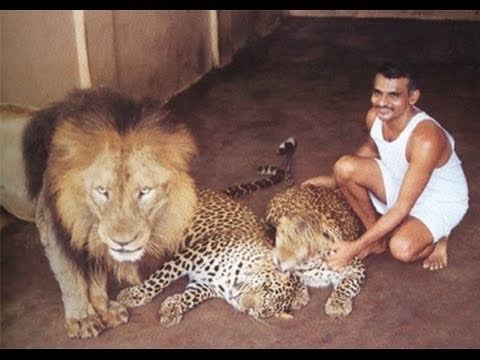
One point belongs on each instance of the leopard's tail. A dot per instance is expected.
(287, 148)
(275, 174)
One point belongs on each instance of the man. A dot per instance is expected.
(407, 171)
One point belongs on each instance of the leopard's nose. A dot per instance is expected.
(282, 267)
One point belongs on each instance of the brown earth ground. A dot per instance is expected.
(310, 79)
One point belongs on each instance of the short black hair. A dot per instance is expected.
(395, 70)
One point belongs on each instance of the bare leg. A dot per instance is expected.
(438, 258)
(356, 176)
(413, 241)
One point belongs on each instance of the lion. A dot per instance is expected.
(107, 179)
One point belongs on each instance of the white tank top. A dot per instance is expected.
(447, 183)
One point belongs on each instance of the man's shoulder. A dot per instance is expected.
(428, 133)
(427, 126)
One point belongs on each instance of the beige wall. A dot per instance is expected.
(38, 56)
(100, 43)
(413, 14)
(156, 52)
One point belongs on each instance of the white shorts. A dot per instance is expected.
(440, 218)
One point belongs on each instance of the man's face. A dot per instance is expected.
(391, 98)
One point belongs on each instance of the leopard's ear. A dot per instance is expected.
(271, 232)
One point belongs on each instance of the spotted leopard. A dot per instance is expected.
(226, 255)
(307, 222)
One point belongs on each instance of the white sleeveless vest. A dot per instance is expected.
(447, 183)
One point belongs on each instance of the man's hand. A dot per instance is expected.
(323, 180)
(341, 255)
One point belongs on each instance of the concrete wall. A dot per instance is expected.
(236, 28)
(154, 53)
(473, 15)
(157, 53)
(38, 56)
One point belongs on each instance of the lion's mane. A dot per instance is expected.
(102, 127)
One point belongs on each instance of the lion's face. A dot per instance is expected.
(121, 195)
(126, 193)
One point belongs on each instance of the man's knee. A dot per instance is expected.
(402, 248)
(344, 169)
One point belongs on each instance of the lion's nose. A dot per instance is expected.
(123, 240)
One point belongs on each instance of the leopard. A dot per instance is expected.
(307, 222)
(302, 224)
(226, 254)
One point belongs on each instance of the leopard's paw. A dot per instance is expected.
(133, 296)
(301, 298)
(115, 315)
(171, 311)
(88, 327)
(336, 307)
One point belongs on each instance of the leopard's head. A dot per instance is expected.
(300, 239)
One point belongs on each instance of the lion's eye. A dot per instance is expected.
(102, 191)
(100, 194)
(144, 191)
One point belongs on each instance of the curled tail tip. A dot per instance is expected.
(288, 146)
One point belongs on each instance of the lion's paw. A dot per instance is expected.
(90, 326)
(132, 297)
(336, 307)
(301, 298)
(116, 314)
(171, 311)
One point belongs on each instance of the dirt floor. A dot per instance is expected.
(310, 79)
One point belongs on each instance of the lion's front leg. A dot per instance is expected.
(81, 320)
(111, 312)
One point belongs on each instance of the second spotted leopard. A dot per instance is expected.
(308, 221)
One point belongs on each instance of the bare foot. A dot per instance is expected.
(438, 258)
(376, 248)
